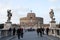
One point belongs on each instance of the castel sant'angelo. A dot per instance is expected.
(31, 21)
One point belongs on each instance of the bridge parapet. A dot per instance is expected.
(55, 32)
(4, 33)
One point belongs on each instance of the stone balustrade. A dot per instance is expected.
(4, 33)
(55, 32)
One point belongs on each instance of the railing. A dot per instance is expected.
(55, 32)
(58, 32)
(4, 33)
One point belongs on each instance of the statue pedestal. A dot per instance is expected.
(5, 30)
(52, 28)
(7, 25)
(53, 24)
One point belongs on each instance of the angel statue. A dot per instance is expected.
(51, 13)
(9, 15)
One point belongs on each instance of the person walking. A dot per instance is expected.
(21, 29)
(37, 31)
(40, 32)
(18, 33)
(14, 30)
(47, 30)
(10, 30)
(43, 30)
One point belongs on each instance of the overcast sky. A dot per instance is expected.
(20, 8)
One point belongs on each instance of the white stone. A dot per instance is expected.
(7, 25)
(52, 25)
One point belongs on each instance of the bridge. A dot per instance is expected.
(29, 36)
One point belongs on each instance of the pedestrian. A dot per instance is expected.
(43, 30)
(10, 30)
(18, 33)
(40, 32)
(47, 30)
(21, 29)
(37, 31)
(14, 30)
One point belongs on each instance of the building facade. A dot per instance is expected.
(31, 21)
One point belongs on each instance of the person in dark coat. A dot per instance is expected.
(47, 30)
(21, 29)
(10, 30)
(18, 33)
(38, 31)
(14, 30)
(43, 30)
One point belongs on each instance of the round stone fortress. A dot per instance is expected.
(31, 21)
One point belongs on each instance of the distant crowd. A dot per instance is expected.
(18, 32)
(42, 31)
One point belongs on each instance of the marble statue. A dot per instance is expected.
(9, 15)
(51, 13)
